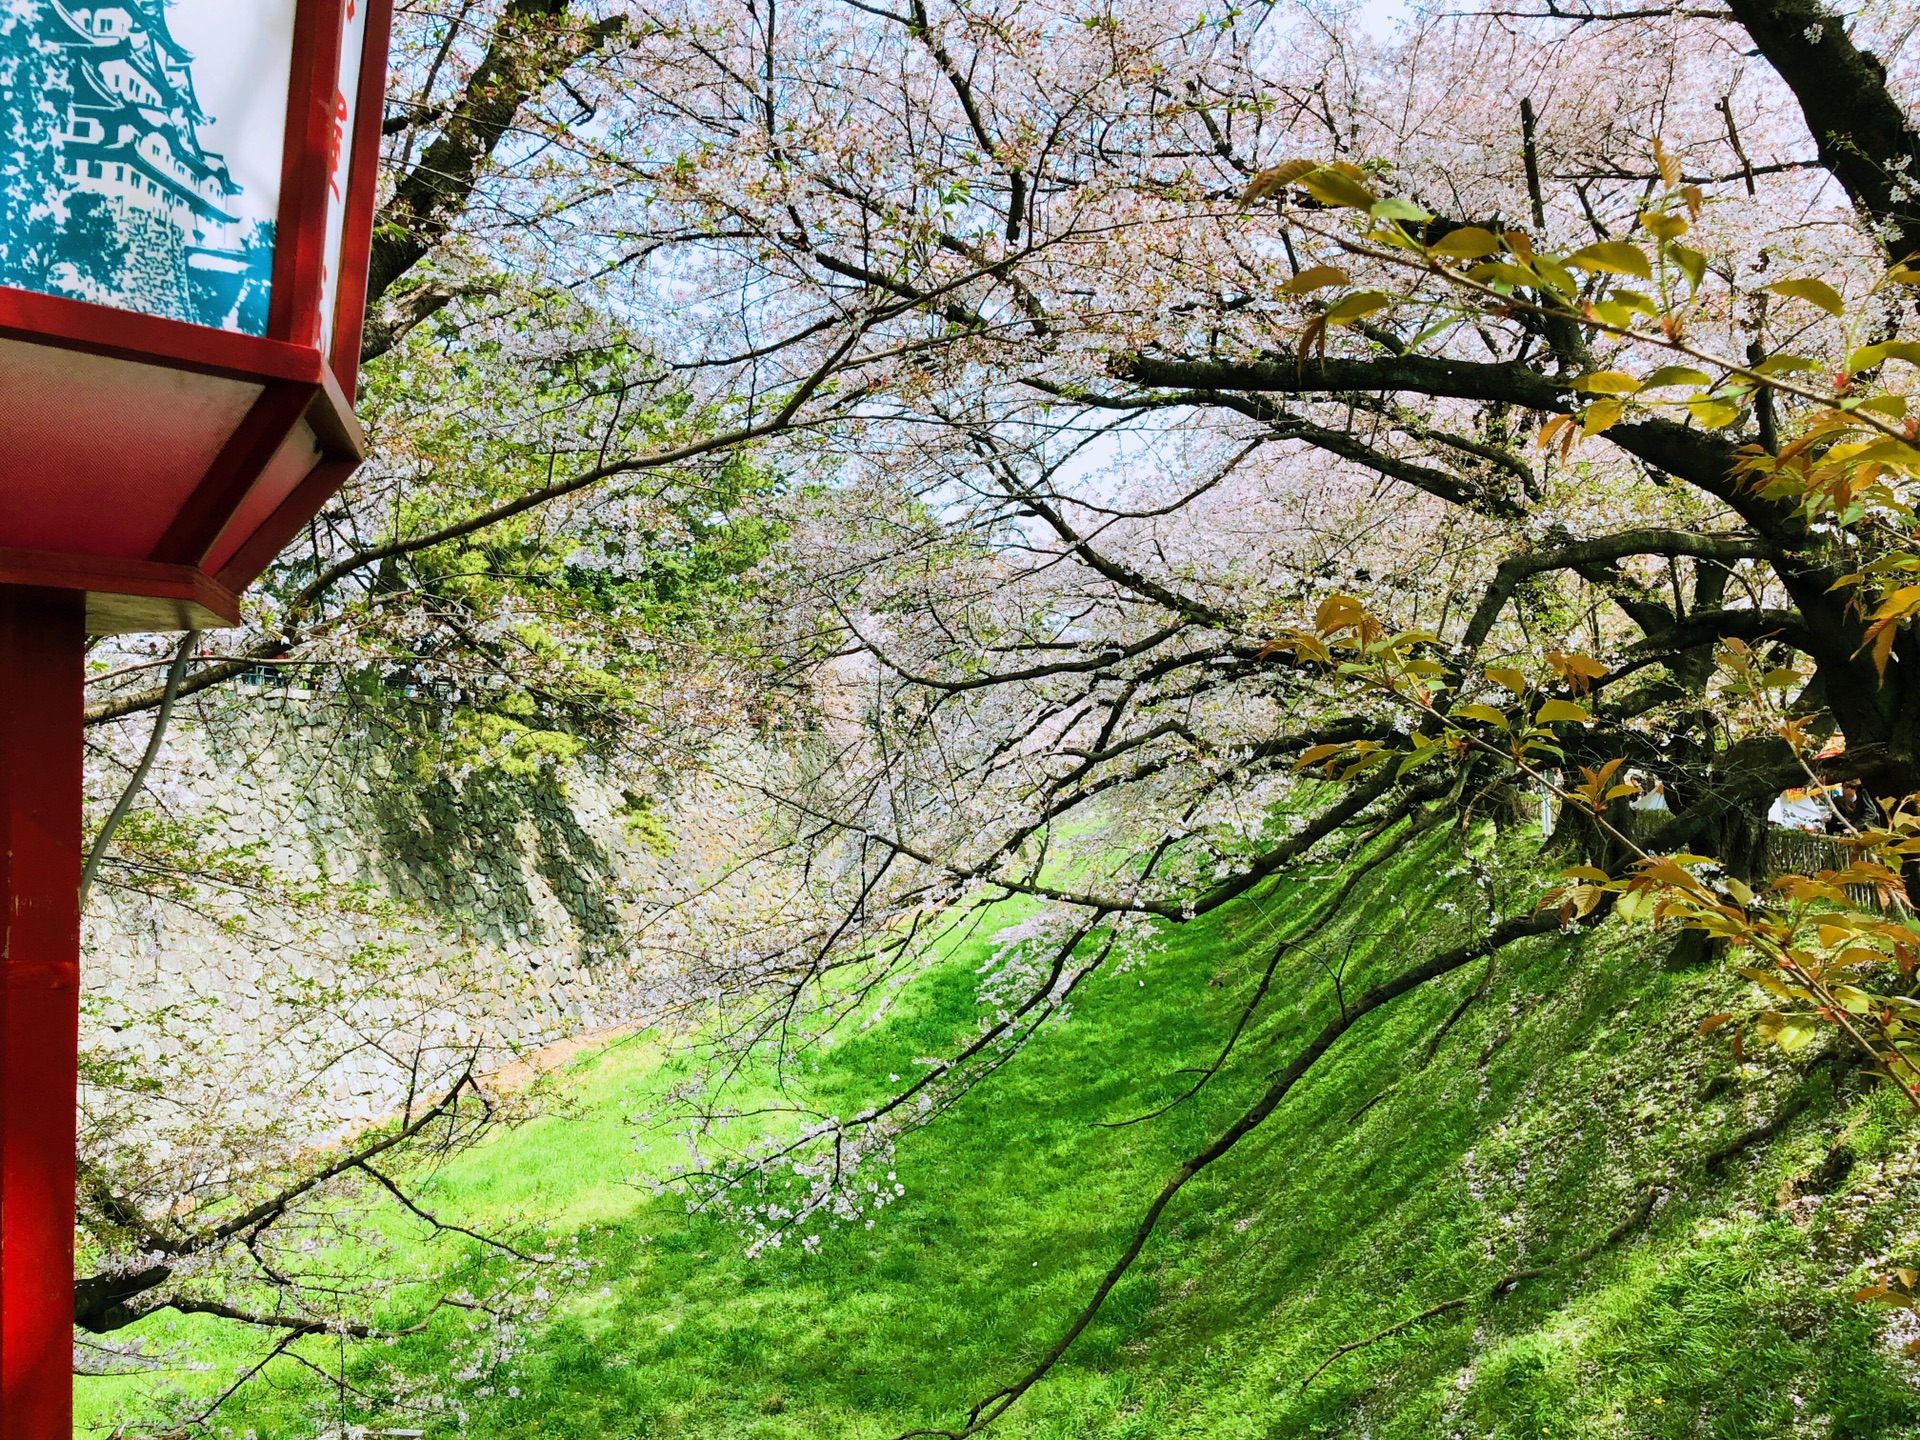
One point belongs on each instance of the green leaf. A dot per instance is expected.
(1854, 1000)
(1557, 276)
(1427, 334)
(1771, 982)
(1555, 711)
(1315, 277)
(1355, 306)
(1499, 272)
(1675, 375)
(1608, 382)
(1600, 415)
(1394, 208)
(1612, 257)
(1792, 1033)
(1711, 413)
(1480, 712)
(1891, 405)
(1469, 242)
(1784, 365)
(1691, 262)
(1330, 187)
(1417, 759)
(1814, 292)
(1868, 356)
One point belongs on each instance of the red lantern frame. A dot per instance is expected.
(241, 512)
(240, 488)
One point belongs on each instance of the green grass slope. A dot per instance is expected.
(1569, 1124)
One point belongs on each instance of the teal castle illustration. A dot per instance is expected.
(106, 193)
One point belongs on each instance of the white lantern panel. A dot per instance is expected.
(140, 148)
(346, 109)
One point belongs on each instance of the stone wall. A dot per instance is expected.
(496, 911)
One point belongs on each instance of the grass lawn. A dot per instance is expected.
(1569, 1093)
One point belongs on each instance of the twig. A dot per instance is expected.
(1466, 1002)
(139, 780)
(1725, 107)
(1504, 1284)
(1530, 153)
(1266, 980)
(1765, 1130)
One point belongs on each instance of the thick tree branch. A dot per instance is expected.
(1859, 126)
(533, 44)
(1601, 550)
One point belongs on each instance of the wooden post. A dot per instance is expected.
(42, 653)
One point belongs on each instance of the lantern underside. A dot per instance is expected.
(160, 491)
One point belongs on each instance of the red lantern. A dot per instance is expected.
(186, 205)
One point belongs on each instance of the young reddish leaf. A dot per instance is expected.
(1881, 638)
(1273, 180)
(1579, 671)
(1312, 336)
(1668, 167)
(1337, 613)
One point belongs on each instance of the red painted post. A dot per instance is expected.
(42, 656)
